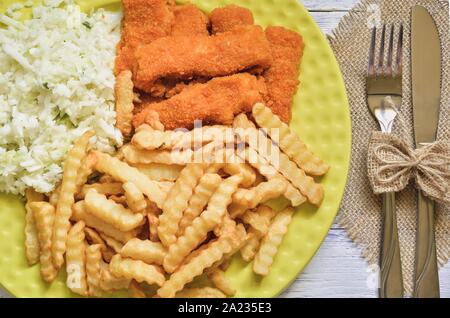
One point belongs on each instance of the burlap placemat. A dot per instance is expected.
(360, 212)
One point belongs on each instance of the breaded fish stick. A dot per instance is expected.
(282, 78)
(144, 21)
(227, 18)
(184, 57)
(216, 102)
(189, 20)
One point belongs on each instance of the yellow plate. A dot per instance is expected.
(321, 117)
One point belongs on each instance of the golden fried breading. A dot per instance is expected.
(226, 18)
(143, 22)
(216, 102)
(189, 20)
(185, 57)
(282, 78)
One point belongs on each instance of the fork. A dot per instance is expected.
(384, 80)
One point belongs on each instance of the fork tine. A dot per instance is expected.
(399, 61)
(391, 51)
(371, 70)
(382, 46)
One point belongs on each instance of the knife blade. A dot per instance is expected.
(426, 69)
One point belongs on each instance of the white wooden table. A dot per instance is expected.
(338, 270)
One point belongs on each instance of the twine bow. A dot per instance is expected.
(392, 164)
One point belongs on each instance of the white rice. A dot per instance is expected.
(56, 82)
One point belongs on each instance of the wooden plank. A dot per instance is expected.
(339, 271)
(329, 5)
(328, 20)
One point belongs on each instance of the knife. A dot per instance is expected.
(426, 95)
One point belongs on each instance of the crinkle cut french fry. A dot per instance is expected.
(124, 173)
(241, 240)
(110, 188)
(177, 201)
(31, 238)
(153, 223)
(119, 200)
(271, 153)
(256, 221)
(106, 178)
(206, 222)
(110, 212)
(290, 142)
(110, 282)
(272, 189)
(85, 170)
(135, 290)
(94, 269)
(247, 172)
(271, 242)
(124, 102)
(219, 280)
(150, 139)
(93, 238)
(44, 216)
(201, 292)
(67, 197)
(137, 270)
(80, 214)
(146, 251)
(205, 259)
(250, 249)
(292, 193)
(307, 186)
(152, 121)
(76, 260)
(112, 243)
(166, 187)
(31, 235)
(206, 154)
(135, 198)
(242, 121)
(160, 171)
(54, 196)
(206, 187)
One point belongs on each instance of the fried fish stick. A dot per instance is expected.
(144, 21)
(227, 18)
(216, 102)
(184, 57)
(189, 20)
(282, 78)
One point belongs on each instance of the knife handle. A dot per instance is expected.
(391, 279)
(426, 268)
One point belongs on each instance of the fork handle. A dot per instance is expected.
(391, 280)
(426, 272)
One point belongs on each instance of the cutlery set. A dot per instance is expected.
(384, 82)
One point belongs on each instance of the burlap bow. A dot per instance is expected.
(392, 164)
